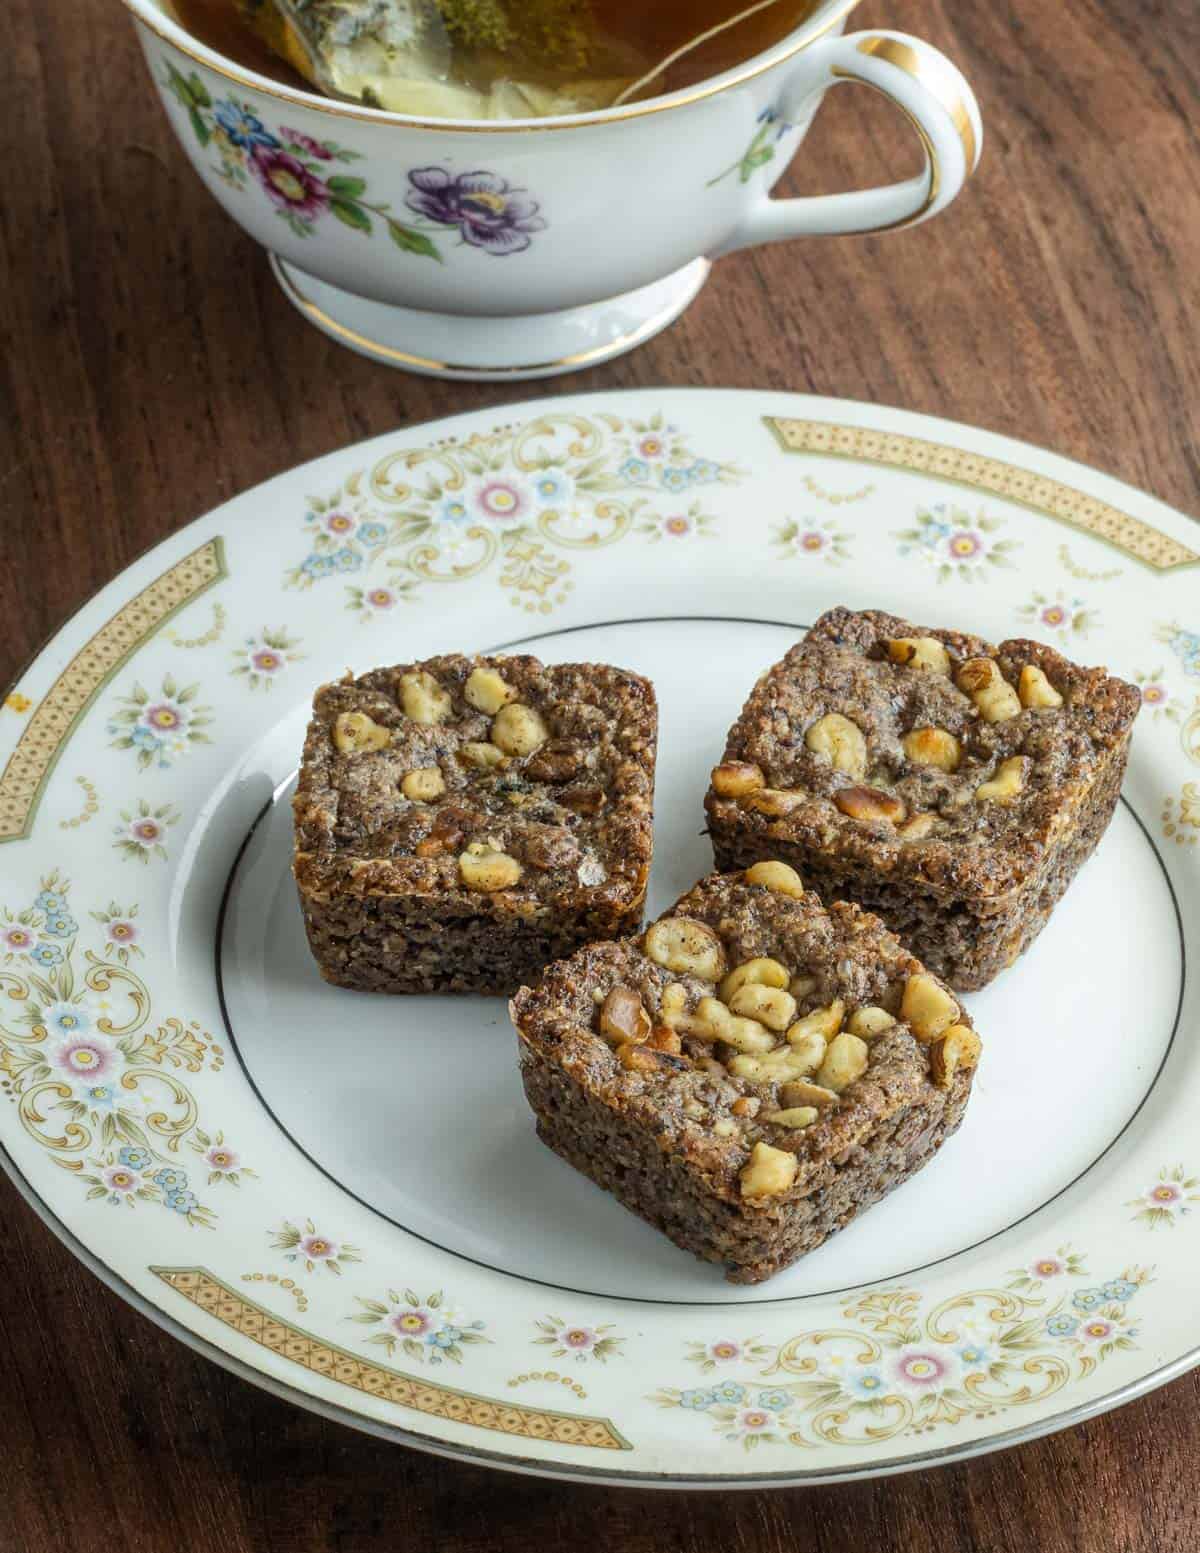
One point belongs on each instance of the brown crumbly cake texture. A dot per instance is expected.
(462, 822)
(752, 1073)
(953, 787)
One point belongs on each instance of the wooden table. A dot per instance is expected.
(151, 370)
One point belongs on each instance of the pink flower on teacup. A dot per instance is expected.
(288, 184)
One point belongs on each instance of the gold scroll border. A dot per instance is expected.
(1038, 493)
(60, 710)
(270, 1331)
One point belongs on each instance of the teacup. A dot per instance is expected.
(525, 248)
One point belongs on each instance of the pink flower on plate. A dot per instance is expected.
(724, 1351)
(813, 541)
(966, 544)
(1164, 1194)
(266, 660)
(579, 1340)
(678, 526)
(1047, 1267)
(119, 1178)
(1097, 1329)
(651, 447)
(221, 1158)
(88, 1057)
(1155, 695)
(922, 1368)
(288, 184)
(414, 1321)
(339, 524)
(18, 939)
(501, 499)
(753, 1420)
(379, 598)
(146, 831)
(318, 1248)
(1054, 616)
(121, 932)
(166, 718)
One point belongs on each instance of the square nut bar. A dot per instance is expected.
(462, 822)
(751, 1073)
(953, 787)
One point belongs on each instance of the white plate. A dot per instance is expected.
(342, 1198)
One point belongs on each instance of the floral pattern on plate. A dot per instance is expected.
(142, 833)
(1167, 1200)
(517, 497)
(311, 1248)
(956, 544)
(427, 1330)
(98, 1085)
(896, 1368)
(161, 727)
(265, 658)
(577, 1340)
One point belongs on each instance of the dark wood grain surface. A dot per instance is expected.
(151, 370)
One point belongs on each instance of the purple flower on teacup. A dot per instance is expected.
(288, 184)
(487, 210)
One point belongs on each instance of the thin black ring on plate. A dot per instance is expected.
(631, 1299)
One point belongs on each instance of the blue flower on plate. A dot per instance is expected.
(729, 1391)
(134, 1157)
(453, 510)
(372, 534)
(347, 560)
(50, 901)
(1061, 1325)
(242, 127)
(1088, 1299)
(866, 1384)
(315, 567)
(553, 487)
(46, 954)
(170, 1179)
(697, 1398)
(181, 1202)
(775, 1400)
(975, 1356)
(67, 1018)
(61, 925)
(1119, 1289)
(673, 478)
(100, 1097)
(704, 471)
(444, 1337)
(635, 470)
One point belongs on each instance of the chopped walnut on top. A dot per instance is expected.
(740, 1022)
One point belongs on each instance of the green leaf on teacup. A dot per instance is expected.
(350, 214)
(346, 188)
(413, 242)
(199, 127)
(199, 91)
(754, 160)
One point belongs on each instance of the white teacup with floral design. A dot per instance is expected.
(525, 248)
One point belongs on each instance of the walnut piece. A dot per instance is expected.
(927, 1006)
(712, 1021)
(824, 1022)
(623, 1017)
(869, 1021)
(918, 827)
(518, 729)
(423, 699)
(488, 691)
(869, 803)
(686, 947)
(737, 779)
(841, 740)
(483, 868)
(958, 1051)
(933, 747)
(423, 784)
(760, 972)
(770, 1172)
(919, 652)
(1035, 690)
(994, 698)
(794, 1116)
(354, 732)
(774, 802)
(1007, 782)
(845, 1060)
(800, 1092)
(776, 876)
(484, 757)
(770, 1006)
